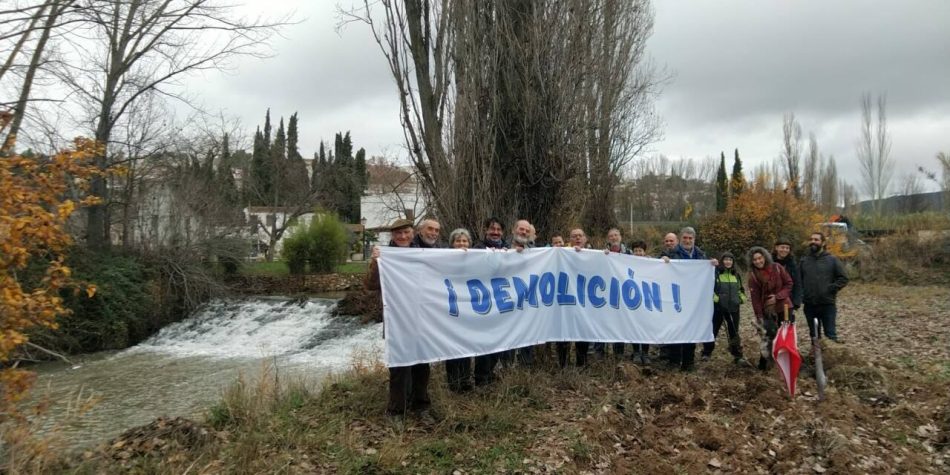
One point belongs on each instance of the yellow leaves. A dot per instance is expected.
(34, 210)
(91, 291)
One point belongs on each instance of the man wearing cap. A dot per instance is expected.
(782, 254)
(408, 385)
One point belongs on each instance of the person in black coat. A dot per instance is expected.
(823, 276)
(782, 254)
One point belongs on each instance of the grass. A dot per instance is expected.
(279, 268)
(930, 220)
(611, 417)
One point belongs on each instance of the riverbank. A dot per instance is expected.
(886, 410)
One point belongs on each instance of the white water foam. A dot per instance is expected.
(300, 332)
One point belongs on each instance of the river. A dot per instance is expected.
(184, 369)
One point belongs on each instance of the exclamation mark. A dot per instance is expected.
(676, 298)
(453, 299)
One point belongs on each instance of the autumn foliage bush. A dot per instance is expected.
(35, 204)
(758, 217)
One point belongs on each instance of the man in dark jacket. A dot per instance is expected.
(729, 295)
(782, 254)
(823, 276)
(493, 232)
(408, 385)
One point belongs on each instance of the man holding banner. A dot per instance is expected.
(408, 384)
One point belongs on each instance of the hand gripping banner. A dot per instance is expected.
(441, 304)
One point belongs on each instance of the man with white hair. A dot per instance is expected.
(684, 354)
(427, 234)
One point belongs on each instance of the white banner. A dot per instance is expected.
(440, 304)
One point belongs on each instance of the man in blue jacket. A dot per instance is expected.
(685, 353)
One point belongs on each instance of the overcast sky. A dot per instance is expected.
(737, 67)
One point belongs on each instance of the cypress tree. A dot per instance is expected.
(737, 183)
(261, 171)
(317, 168)
(360, 167)
(722, 184)
(298, 184)
(279, 163)
(267, 129)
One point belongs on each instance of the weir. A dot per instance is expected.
(184, 369)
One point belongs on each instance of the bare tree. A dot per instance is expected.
(792, 152)
(140, 47)
(500, 115)
(810, 177)
(874, 149)
(849, 196)
(829, 186)
(45, 18)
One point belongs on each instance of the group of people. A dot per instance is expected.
(778, 286)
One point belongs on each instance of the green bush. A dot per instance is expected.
(117, 316)
(295, 250)
(322, 245)
(328, 243)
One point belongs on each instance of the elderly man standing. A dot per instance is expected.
(579, 242)
(408, 385)
(521, 239)
(614, 244)
(685, 353)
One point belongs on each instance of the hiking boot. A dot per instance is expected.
(836, 340)
(704, 358)
(644, 359)
(740, 361)
(687, 367)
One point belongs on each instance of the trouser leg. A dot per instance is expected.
(732, 327)
(618, 348)
(505, 358)
(600, 349)
(484, 369)
(580, 350)
(563, 351)
(709, 346)
(419, 386)
(829, 319)
(526, 355)
(687, 355)
(399, 380)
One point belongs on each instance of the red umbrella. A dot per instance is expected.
(785, 353)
